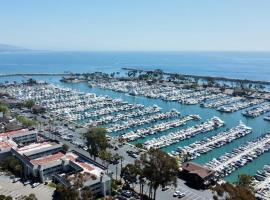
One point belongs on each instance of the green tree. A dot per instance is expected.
(244, 180)
(29, 103)
(116, 157)
(65, 147)
(3, 197)
(65, 193)
(30, 197)
(31, 81)
(139, 145)
(159, 169)
(129, 174)
(4, 108)
(12, 164)
(210, 81)
(158, 74)
(25, 121)
(234, 192)
(105, 156)
(78, 181)
(96, 141)
(86, 194)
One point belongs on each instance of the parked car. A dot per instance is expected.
(126, 193)
(165, 188)
(35, 184)
(27, 182)
(176, 193)
(181, 195)
(16, 180)
(133, 155)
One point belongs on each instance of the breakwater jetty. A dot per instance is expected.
(217, 78)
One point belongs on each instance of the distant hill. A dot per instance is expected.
(11, 48)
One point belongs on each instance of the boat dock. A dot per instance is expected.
(171, 138)
(131, 123)
(261, 183)
(226, 164)
(255, 112)
(239, 105)
(139, 133)
(197, 148)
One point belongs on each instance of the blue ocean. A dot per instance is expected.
(243, 65)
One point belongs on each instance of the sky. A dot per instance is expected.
(136, 25)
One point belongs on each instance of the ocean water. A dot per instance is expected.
(236, 65)
(245, 65)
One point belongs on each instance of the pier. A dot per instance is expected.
(261, 183)
(175, 137)
(197, 148)
(139, 133)
(255, 112)
(229, 162)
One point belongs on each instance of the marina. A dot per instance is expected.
(135, 100)
(139, 133)
(72, 101)
(197, 148)
(239, 105)
(139, 113)
(175, 137)
(242, 155)
(261, 183)
(142, 121)
(159, 91)
(255, 112)
(267, 118)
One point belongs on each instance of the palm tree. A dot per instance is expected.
(117, 158)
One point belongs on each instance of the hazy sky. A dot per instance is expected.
(136, 24)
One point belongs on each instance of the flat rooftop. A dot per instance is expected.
(12, 133)
(5, 145)
(47, 159)
(85, 164)
(34, 147)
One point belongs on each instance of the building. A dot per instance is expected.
(92, 173)
(196, 175)
(44, 160)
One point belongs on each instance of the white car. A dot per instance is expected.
(176, 193)
(16, 180)
(35, 185)
(181, 195)
(26, 182)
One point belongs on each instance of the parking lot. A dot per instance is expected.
(17, 189)
(189, 194)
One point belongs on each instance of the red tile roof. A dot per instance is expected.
(81, 163)
(7, 134)
(47, 159)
